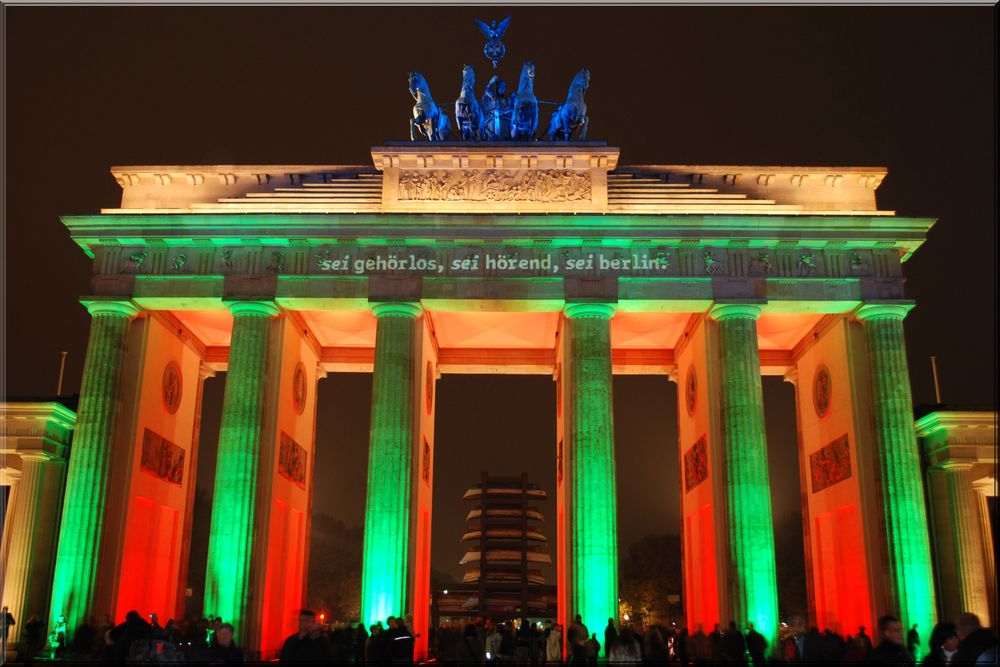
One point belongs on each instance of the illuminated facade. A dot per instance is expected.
(542, 258)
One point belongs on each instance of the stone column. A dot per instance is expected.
(82, 525)
(390, 455)
(967, 540)
(31, 520)
(11, 477)
(234, 504)
(752, 581)
(985, 488)
(911, 575)
(204, 372)
(593, 504)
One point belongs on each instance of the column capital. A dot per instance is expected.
(589, 309)
(872, 311)
(727, 311)
(792, 375)
(267, 308)
(987, 486)
(956, 464)
(122, 307)
(396, 308)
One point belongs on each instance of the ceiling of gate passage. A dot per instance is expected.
(497, 330)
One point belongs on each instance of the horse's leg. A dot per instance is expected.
(583, 128)
(413, 129)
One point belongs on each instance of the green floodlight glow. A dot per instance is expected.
(594, 501)
(904, 510)
(753, 584)
(82, 524)
(387, 507)
(231, 535)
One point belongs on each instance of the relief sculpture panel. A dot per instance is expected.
(545, 185)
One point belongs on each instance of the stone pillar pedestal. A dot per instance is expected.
(752, 583)
(82, 525)
(967, 539)
(911, 575)
(591, 431)
(390, 456)
(234, 506)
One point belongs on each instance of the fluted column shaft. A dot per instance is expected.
(752, 581)
(82, 525)
(985, 488)
(592, 437)
(31, 538)
(911, 580)
(390, 454)
(234, 503)
(967, 540)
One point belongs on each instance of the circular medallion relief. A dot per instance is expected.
(822, 387)
(299, 388)
(429, 388)
(691, 390)
(172, 387)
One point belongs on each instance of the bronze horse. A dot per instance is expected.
(524, 122)
(571, 117)
(428, 118)
(468, 114)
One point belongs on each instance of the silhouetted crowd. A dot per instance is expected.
(212, 641)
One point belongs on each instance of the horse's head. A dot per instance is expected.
(417, 82)
(528, 70)
(582, 79)
(468, 75)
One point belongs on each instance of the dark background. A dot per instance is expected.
(911, 89)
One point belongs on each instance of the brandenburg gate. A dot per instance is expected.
(544, 258)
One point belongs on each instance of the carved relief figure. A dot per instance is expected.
(831, 464)
(162, 458)
(135, 262)
(292, 459)
(762, 264)
(695, 465)
(807, 264)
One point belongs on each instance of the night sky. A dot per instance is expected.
(910, 89)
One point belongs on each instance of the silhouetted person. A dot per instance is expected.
(8, 620)
(34, 636)
(912, 640)
(223, 650)
(943, 644)
(756, 645)
(733, 647)
(593, 649)
(890, 649)
(866, 641)
(610, 636)
(577, 640)
(470, 649)
(359, 639)
(308, 644)
(122, 636)
(973, 639)
(401, 647)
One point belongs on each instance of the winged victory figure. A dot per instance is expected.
(494, 50)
